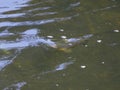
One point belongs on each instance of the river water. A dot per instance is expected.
(32, 30)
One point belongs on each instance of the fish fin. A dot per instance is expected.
(65, 50)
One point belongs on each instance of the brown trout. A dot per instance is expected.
(66, 44)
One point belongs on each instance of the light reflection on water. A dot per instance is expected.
(63, 66)
(29, 23)
(7, 5)
(29, 38)
(16, 86)
(29, 31)
(6, 33)
(5, 60)
(59, 67)
(4, 63)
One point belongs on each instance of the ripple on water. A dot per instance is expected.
(10, 5)
(16, 86)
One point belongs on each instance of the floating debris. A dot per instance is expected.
(86, 45)
(103, 62)
(83, 66)
(57, 85)
(63, 37)
(61, 30)
(99, 41)
(50, 36)
(116, 30)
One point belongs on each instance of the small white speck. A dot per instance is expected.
(116, 30)
(38, 77)
(103, 62)
(64, 37)
(63, 74)
(57, 85)
(83, 66)
(61, 30)
(50, 36)
(19, 66)
(99, 41)
(86, 45)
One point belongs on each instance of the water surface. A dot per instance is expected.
(30, 29)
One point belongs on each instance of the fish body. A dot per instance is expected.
(30, 38)
(66, 44)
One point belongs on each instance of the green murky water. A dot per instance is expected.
(29, 30)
